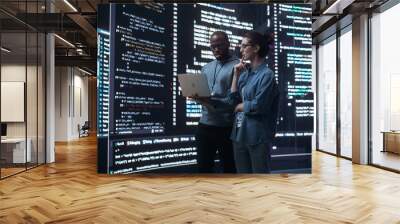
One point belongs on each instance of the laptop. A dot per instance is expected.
(194, 85)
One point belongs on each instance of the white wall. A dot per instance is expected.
(12, 73)
(61, 103)
(16, 73)
(33, 126)
(80, 110)
(71, 102)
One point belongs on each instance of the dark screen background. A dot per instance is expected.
(145, 125)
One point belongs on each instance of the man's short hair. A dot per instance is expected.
(220, 33)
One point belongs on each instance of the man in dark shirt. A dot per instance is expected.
(215, 126)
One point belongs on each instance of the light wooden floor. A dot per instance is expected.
(70, 191)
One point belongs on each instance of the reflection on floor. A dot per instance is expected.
(10, 169)
(386, 159)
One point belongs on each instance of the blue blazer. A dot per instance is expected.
(259, 93)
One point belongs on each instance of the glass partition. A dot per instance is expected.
(13, 108)
(385, 89)
(31, 99)
(22, 88)
(346, 93)
(326, 98)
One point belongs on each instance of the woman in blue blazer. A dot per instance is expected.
(254, 93)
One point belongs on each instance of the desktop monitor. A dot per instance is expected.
(3, 129)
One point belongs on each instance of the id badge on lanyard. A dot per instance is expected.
(240, 115)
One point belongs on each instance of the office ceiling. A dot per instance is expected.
(328, 13)
(74, 21)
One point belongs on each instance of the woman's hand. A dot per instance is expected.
(238, 68)
(239, 107)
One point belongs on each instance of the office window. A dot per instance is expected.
(327, 96)
(346, 94)
(385, 89)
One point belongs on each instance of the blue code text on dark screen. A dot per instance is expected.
(146, 125)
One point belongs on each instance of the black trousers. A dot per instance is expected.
(210, 140)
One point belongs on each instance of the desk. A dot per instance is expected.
(16, 148)
(391, 141)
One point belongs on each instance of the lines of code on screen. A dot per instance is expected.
(146, 124)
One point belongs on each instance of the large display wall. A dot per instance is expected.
(146, 125)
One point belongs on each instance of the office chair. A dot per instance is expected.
(84, 130)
